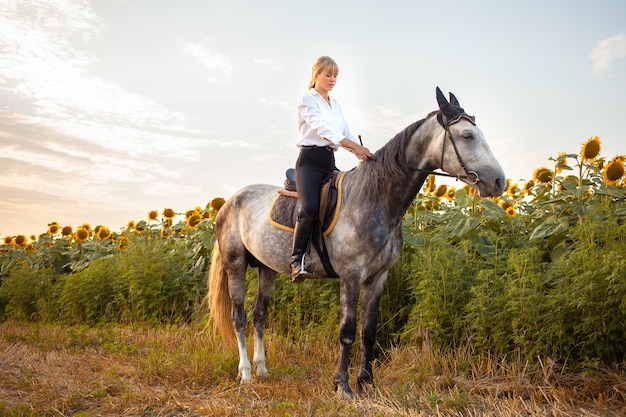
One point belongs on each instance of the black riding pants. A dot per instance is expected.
(313, 165)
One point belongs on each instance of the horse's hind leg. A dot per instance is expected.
(237, 288)
(267, 284)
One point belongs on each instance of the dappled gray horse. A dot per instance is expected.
(376, 194)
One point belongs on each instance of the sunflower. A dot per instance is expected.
(614, 170)
(153, 214)
(528, 186)
(123, 244)
(103, 233)
(510, 211)
(590, 149)
(140, 227)
(53, 228)
(20, 240)
(193, 220)
(512, 189)
(450, 194)
(217, 203)
(430, 185)
(506, 205)
(441, 190)
(168, 213)
(7, 240)
(130, 225)
(66, 231)
(81, 234)
(600, 164)
(470, 190)
(543, 175)
(85, 226)
(561, 162)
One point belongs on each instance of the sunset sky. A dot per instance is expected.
(112, 108)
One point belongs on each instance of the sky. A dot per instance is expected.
(112, 108)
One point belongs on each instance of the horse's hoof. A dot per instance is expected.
(261, 372)
(366, 387)
(344, 392)
(245, 377)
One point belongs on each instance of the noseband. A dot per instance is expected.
(468, 174)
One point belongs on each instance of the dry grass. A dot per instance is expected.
(138, 371)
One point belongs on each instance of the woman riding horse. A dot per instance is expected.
(376, 195)
(322, 129)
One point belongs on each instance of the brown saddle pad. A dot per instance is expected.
(284, 210)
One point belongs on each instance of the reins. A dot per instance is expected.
(448, 135)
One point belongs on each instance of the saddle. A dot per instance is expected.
(284, 211)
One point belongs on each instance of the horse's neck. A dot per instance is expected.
(391, 185)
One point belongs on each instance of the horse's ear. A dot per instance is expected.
(454, 101)
(441, 99)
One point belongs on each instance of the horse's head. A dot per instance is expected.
(465, 152)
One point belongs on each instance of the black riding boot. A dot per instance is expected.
(301, 240)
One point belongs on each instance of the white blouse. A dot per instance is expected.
(319, 123)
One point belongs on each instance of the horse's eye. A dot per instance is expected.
(468, 135)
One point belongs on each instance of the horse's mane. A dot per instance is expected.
(390, 166)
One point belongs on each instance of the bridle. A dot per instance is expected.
(446, 125)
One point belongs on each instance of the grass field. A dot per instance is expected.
(53, 370)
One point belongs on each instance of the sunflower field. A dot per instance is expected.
(537, 272)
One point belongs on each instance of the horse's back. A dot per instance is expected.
(242, 224)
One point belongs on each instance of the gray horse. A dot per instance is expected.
(376, 194)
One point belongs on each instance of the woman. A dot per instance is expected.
(323, 129)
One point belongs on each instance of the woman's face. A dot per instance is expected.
(325, 81)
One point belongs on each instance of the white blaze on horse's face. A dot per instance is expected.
(475, 164)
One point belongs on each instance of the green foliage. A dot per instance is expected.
(547, 280)
(538, 272)
(151, 280)
(28, 294)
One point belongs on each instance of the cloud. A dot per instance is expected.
(39, 158)
(214, 62)
(270, 64)
(606, 52)
(43, 62)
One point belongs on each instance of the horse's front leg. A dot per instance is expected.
(267, 284)
(371, 293)
(349, 299)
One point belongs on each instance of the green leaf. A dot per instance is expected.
(463, 225)
(552, 225)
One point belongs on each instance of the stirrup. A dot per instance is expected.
(302, 273)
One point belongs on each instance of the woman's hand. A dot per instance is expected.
(360, 151)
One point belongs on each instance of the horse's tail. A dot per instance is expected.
(220, 303)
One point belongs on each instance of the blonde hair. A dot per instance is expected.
(323, 64)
